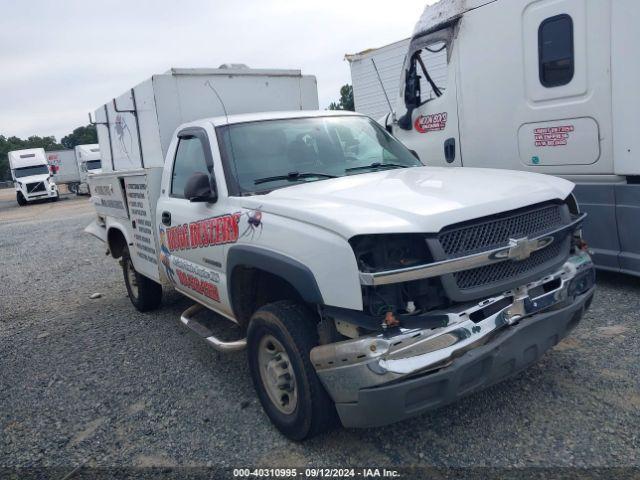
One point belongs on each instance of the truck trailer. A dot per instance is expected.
(32, 176)
(64, 166)
(545, 86)
(71, 167)
(368, 288)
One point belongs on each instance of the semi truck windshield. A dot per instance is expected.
(28, 171)
(94, 164)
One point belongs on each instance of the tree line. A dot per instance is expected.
(80, 136)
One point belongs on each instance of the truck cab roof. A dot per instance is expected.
(27, 158)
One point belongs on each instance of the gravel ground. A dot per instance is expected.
(94, 382)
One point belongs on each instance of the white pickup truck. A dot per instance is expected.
(371, 288)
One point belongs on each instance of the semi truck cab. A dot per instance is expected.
(89, 162)
(544, 86)
(31, 176)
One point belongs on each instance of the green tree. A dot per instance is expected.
(81, 136)
(346, 99)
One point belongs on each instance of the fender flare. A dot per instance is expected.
(119, 227)
(294, 272)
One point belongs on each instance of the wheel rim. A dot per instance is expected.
(131, 278)
(277, 374)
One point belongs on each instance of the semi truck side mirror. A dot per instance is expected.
(411, 97)
(200, 188)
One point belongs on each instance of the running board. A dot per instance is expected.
(203, 331)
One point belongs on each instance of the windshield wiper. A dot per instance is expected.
(376, 165)
(292, 176)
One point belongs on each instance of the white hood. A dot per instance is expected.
(412, 200)
(33, 178)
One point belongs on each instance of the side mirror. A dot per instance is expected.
(200, 188)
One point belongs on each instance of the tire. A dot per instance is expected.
(144, 293)
(73, 188)
(21, 200)
(56, 198)
(293, 327)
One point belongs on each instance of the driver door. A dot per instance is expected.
(193, 235)
(433, 131)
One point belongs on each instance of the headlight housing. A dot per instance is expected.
(377, 253)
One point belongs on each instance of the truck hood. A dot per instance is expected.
(33, 178)
(411, 200)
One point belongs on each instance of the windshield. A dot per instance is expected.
(28, 171)
(94, 164)
(272, 154)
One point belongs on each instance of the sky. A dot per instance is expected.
(61, 59)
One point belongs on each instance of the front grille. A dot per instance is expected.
(487, 235)
(35, 187)
(495, 232)
(509, 269)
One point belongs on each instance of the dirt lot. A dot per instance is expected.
(93, 382)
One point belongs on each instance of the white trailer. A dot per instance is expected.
(543, 86)
(31, 176)
(64, 167)
(375, 75)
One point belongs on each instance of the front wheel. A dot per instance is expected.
(279, 339)
(56, 198)
(21, 200)
(144, 293)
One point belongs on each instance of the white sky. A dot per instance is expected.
(62, 59)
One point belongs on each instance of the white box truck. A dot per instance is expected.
(544, 86)
(31, 176)
(89, 162)
(367, 286)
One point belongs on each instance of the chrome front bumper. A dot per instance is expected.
(345, 368)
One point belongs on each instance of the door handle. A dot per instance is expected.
(450, 150)
(166, 218)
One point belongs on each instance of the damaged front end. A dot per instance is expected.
(478, 305)
(347, 367)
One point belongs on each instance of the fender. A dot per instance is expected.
(294, 272)
(120, 227)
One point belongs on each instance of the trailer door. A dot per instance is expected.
(432, 130)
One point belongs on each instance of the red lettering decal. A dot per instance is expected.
(431, 123)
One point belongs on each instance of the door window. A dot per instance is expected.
(190, 159)
(555, 51)
(434, 58)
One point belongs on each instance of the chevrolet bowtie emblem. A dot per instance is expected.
(521, 248)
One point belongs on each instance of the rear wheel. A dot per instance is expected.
(144, 293)
(21, 200)
(279, 339)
